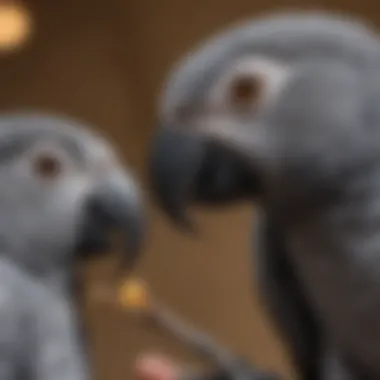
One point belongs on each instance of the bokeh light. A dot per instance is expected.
(15, 26)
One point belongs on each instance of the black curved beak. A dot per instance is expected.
(174, 163)
(186, 169)
(117, 205)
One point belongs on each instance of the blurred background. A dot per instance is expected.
(103, 62)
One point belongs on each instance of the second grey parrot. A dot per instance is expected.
(284, 109)
(62, 192)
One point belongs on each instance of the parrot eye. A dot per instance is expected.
(250, 82)
(246, 90)
(46, 165)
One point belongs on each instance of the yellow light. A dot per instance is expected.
(15, 26)
(133, 294)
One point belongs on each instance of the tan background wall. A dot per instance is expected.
(103, 61)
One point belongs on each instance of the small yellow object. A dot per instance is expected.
(133, 294)
(15, 25)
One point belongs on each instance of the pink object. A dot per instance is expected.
(156, 367)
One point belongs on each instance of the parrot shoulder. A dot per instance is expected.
(14, 324)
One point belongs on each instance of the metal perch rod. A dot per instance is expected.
(199, 341)
(135, 296)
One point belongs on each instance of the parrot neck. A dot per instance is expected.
(336, 255)
(313, 186)
(52, 265)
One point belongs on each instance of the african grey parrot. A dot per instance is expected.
(62, 190)
(284, 109)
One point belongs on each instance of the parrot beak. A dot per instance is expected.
(187, 169)
(174, 163)
(116, 205)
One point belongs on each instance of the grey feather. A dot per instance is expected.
(287, 37)
(314, 150)
(42, 222)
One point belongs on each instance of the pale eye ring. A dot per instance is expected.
(47, 165)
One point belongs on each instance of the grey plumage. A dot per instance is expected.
(309, 143)
(57, 182)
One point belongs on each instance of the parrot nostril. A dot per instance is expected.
(47, 166)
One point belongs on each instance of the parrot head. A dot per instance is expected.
(258, 106)
(63, 191)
